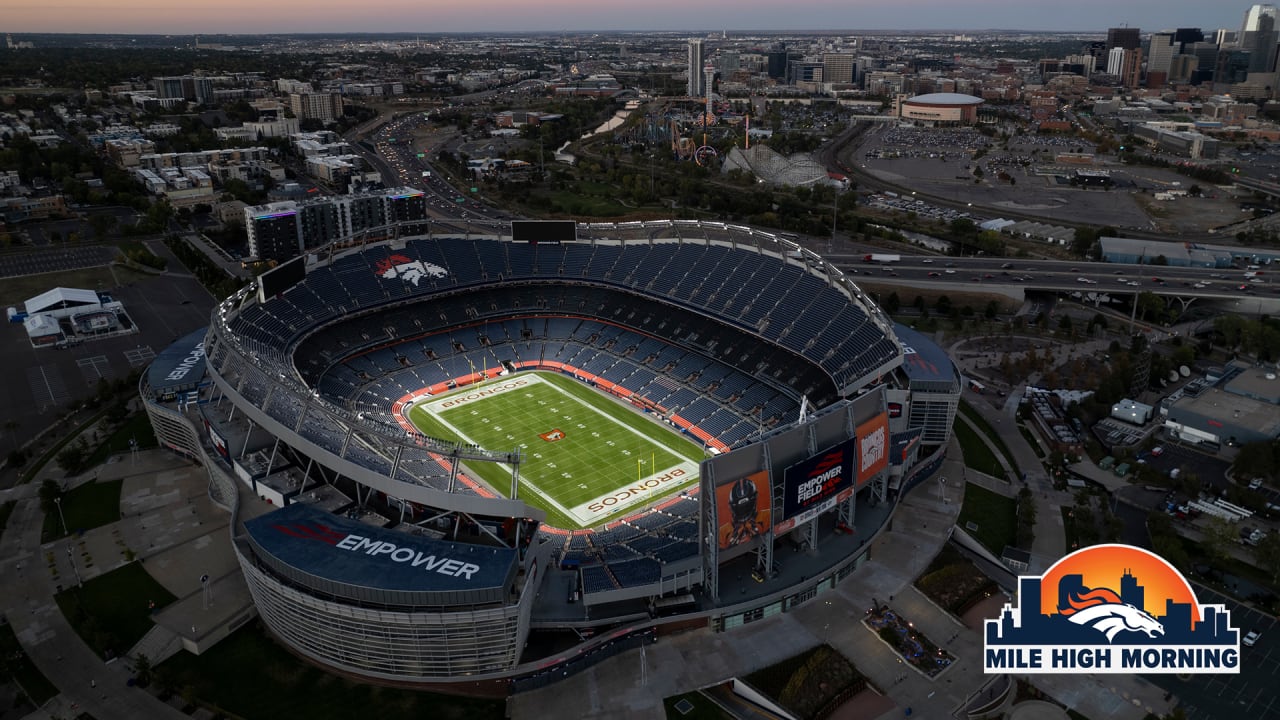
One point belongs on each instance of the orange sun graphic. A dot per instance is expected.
(1101, 566)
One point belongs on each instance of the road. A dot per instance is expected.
(1065, 276)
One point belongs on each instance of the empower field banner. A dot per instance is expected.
(815, 485)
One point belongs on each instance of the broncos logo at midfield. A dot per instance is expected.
(1104, 611)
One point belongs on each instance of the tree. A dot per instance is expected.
(72, 457)
(1150, 303)
(1083, 241)
(102, 223)
(1268, 555)
(1219, 536)
(50, 492)
(892, 303)
(142, 669)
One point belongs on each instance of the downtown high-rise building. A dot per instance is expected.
(1160, 53)
(837, 67)
(696, 86)
(1124, 37)
(1258, 36)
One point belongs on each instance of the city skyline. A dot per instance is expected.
(333, 16)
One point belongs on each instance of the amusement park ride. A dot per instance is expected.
(685, 147)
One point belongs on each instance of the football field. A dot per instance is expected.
(587, 458)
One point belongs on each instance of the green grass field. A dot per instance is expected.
(587, 458)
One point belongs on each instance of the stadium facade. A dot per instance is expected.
(375, 550)
(940, 109)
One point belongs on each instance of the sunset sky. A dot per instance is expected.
(254, 16)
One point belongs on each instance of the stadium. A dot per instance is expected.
(483, 457)
(939, 109)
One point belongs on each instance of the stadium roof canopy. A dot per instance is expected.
(180, 366)
(945, 99)
(352, 559)
(61, 298)
(923, 360)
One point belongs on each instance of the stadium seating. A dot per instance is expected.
(714, 329)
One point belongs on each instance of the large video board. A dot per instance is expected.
(873, 447)
(544, 231)
(284, 276)
(743, 510)
(815, 485)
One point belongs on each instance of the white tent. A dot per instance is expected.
(42, 329)
(63, 302)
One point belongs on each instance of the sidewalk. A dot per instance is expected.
(27, 587)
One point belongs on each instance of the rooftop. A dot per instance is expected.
(945, 99)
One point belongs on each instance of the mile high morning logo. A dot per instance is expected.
(1073, 619)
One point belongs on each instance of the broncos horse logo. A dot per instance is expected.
(1104, 611)
(408, 269)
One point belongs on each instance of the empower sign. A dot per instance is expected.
(344, 550)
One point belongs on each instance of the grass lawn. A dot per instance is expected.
(15, 290)
(585, 204)
(86, 507)
(582, 450)
(703, 708)
(20, 668)
(136, 426)
(281, 685)
(993, 513)
(983, 426)
(110, 612)
(977, 454)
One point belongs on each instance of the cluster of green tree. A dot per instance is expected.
(1257, 460)
(579, 116)
(1259, 336)
(236, 189)
(140, 254)
(99, 67)
(1259, 234)
(215, 280)
(788, 143)
(1094, 523)
(1166, 542)
(969, 239)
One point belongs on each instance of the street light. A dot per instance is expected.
(58, 501)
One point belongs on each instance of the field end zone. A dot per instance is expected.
(611, 502)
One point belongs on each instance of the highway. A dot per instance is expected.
(1056, 275)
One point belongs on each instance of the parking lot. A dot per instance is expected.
(34, 262)
(1114, 433)
(1251, 694)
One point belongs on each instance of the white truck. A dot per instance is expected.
(881, 258)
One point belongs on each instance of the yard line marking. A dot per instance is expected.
(616, 421)
(524, 482)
